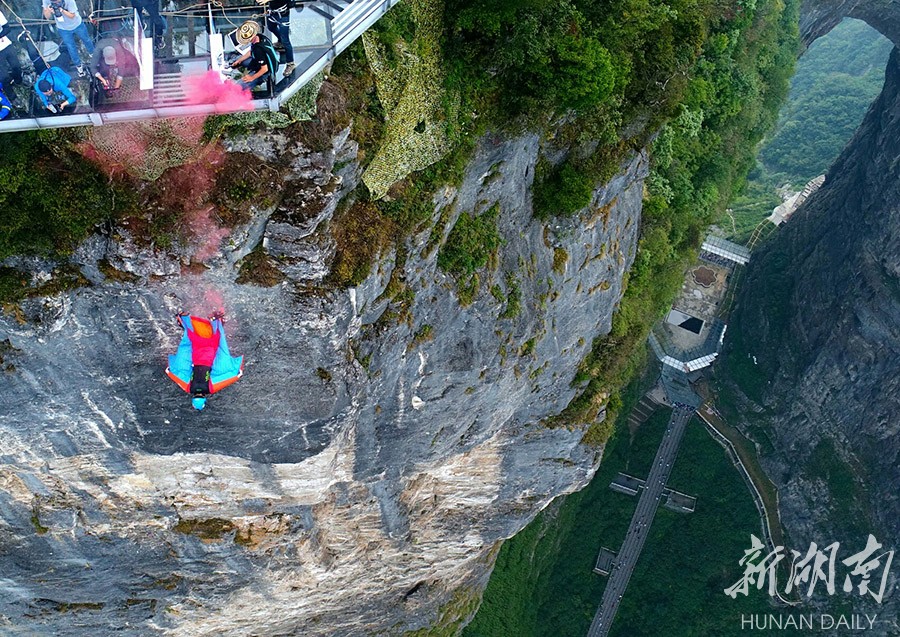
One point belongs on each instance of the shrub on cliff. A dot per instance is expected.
(470, 243)
(49, 203)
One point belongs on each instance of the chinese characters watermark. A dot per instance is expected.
(815, 567)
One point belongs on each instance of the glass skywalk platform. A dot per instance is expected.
(195, 43)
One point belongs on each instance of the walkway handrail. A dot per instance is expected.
(754, 491)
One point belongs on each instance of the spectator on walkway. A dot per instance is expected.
(278, 21)
(52, 88)
(69, 25)
(10, 68)
(157, 24)
(5, 105)
(111, 62)
(260, 60)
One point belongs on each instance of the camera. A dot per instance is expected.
(57, 6)
(55, 102)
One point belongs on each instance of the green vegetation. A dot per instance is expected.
(257, 268)
(560, 259)
(701, 157)
(752, 364)
(469, 245)
(422, 335)
(513, 297)
(211, 529)
(543, 585)
(451, 616)
(49, 202)
(360, 232)
(846, 488)
(16, 285)
(836, 81)
(39, 528)
(562, 191)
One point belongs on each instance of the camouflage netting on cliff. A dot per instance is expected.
(412, 94)
(300, 108)
(147, 149)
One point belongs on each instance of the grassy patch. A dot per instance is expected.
(422, 335)
(39, 528)
(361, 232)
(562, 192)
(114, 274)
(513, 297)
(452, 616)
(210, 529)
(527, 348)
(468, 248)
(470, 243)
(49, 203)
(16, 285)
(257, 268)
(845, 488)
(560, 259)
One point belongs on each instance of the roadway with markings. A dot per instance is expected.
(640, 522)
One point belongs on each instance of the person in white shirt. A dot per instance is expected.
(10, 68)
(69, 25)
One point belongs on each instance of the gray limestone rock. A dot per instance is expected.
(357, 475)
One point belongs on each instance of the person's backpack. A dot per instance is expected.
(271, 56)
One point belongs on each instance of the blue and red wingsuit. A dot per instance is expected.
(203, 348)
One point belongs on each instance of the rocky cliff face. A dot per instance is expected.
(818, 17)
(358, 477)
(821, 312)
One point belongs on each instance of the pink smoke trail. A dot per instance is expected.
(228, 97)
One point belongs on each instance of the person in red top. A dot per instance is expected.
(203, 363)
(204, 345)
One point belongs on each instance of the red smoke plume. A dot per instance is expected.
(228, 97)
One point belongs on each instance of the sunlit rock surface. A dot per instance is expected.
(356, 476)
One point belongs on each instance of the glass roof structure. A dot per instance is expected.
(726, 249)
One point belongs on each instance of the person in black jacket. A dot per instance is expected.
(261, 60)
(278, 21)
(10, 68)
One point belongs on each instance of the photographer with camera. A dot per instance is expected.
(69, 25)
(10, 68)
(52, 88)
(111, 63)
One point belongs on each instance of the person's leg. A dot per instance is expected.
(5, 66)
(85, 37)
(68, 39)
(152, 7)
(10, 59)
(251, 85)
(284, 36)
